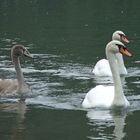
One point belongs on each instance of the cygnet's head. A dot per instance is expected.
(20, 51)
(117, 47)
(120, 36)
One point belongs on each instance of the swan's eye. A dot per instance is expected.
(122, 35)
(121, 47)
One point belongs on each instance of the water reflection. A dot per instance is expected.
(19, 108)
(108, 124)
(119, 123)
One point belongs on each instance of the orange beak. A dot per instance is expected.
(125, 52)
(124, 39)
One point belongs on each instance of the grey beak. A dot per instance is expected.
(27, 54)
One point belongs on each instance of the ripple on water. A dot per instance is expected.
(50, 83)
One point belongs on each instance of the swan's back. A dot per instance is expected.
(8, 85)
(100, 96)
(102, 68)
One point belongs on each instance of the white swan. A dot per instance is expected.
(13, 86)
(102, 67)
(108, 96)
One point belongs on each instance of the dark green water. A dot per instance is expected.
(67, 38)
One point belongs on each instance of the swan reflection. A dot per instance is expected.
(107, 123)
(17, 126)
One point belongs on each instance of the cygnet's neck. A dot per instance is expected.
(119, 95)
(20, 77)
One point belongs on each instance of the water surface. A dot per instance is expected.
(67, 38)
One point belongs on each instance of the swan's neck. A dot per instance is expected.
(119, 96)
(20, 77)
(120, 63)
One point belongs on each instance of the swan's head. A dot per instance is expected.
(20, 51)
(117, 47)
(119, 35)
